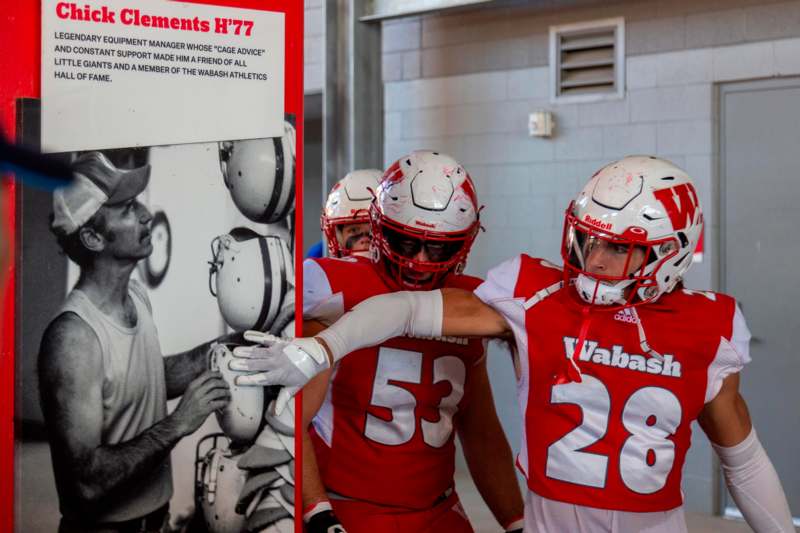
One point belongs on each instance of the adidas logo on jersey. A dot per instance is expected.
(626, 315)
(616, 357)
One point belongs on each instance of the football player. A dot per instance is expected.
(345, 217)
(617, 359)
(379, 455)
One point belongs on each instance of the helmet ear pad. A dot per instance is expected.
(243, 417)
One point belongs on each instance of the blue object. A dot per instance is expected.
(316, 250)
(31, 168)
(32, 178)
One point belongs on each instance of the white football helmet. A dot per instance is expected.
(425, 200)
(251, 276)
(218, 483)
(259, 173)
(348, 203)
(242, 418)
(641, 206)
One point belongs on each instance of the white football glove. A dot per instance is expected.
(276, 361)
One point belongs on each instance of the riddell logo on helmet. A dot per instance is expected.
(424, 224)
(597, 223)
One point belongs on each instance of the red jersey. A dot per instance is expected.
(384, 433)
(618, 439)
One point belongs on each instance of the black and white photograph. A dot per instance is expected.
(136, 283)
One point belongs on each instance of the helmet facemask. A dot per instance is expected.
(396, 248)
(332, 227)
(631, 260)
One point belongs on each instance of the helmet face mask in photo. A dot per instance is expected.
(348, 203)
(643, 215)
(426, 203)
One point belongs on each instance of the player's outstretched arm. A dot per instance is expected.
(749, 474)
(445, 312)
(466, 315)
(449, 312)
(488, 455)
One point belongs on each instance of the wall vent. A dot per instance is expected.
(587, 60)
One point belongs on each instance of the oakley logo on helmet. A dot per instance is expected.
(682, 213)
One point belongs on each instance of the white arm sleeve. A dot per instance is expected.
(376, 319)
(755, 486)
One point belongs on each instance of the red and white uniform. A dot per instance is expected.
(384, 433)
(615, 442)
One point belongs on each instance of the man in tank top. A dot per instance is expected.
(103, 379)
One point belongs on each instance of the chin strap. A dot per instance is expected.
(642, 339)
(572, 372)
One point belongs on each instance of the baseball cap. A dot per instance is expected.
(97, 182)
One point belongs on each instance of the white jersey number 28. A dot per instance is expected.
(406, 366)
(650, 416)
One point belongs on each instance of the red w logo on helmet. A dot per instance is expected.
(681, 213)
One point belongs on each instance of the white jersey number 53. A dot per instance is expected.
(406, 366)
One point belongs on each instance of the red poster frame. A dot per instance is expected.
(20, 62)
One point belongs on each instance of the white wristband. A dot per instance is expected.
(307, 355)
(406, 313)
(317, 508)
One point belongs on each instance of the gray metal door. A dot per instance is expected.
(760, 257)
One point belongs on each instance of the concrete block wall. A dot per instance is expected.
(313, 46)
(464, 83)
